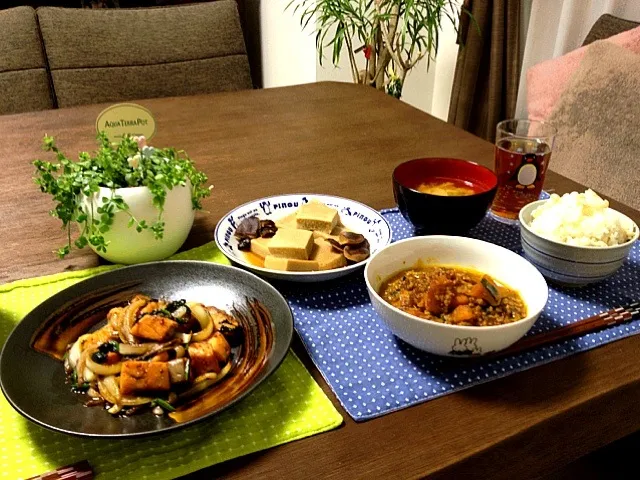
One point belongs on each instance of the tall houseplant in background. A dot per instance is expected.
(384, 39)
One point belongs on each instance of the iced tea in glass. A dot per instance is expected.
(522, 153)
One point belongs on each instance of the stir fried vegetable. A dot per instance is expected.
(152, 353)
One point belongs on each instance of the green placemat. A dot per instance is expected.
(288, 406)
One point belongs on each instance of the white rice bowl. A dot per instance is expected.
(581, 219)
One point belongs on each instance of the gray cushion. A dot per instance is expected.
(103, 55)
(24, 81)
(607, 26)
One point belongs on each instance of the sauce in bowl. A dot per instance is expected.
(453, 295)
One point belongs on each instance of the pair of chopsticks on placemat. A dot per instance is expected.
(78, 471)
(597, 322)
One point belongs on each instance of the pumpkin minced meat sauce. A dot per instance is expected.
(455, 296)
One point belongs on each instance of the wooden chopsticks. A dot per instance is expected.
(597, 322)
(78, 471)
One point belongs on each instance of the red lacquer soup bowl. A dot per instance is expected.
(431, 213)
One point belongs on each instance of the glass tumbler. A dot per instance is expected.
(522, 153)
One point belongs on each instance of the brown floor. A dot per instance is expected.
(615, 461)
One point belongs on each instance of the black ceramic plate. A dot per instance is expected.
(34, 383)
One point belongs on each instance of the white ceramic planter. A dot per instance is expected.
(128, 246)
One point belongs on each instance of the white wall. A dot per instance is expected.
(288, 54)
(445, 67)
(289, 57)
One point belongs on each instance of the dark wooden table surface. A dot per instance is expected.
(345, 140)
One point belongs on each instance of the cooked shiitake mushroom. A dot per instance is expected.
(251, 228)
(356, 253)
(267, 228)
(267, 224)
(248, 228)
(244, 244)
(335, 244)
(354, 246)
(350, 238)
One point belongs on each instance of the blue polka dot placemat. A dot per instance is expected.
(372, 372)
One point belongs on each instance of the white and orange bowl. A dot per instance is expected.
(503, 265)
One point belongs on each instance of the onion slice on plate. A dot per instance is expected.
(204, 381)
(130, 317)
(205, 320)
(109, 389)
(130, 349)
(82, 363)
(184, 337)
(131, 401)
(103, 370)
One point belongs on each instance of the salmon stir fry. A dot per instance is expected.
(153, 353)
(453, 295)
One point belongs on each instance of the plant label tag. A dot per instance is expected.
(126, 119)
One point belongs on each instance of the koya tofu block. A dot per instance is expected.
(287, 222)
(290, 264)
(335, 233)
(326, 256)
(291, 243)
(317, 216)
(260, 246)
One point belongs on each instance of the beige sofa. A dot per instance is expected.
(59, 57)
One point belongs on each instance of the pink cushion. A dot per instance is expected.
(547, 81)
(597, 141)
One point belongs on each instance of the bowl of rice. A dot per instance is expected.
(576, 239)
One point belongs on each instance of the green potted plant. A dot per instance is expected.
(132, 202)
(384, 39)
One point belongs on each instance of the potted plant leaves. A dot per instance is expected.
(132, 202)
(384, 39)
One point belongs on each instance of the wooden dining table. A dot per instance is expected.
(340, 139)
